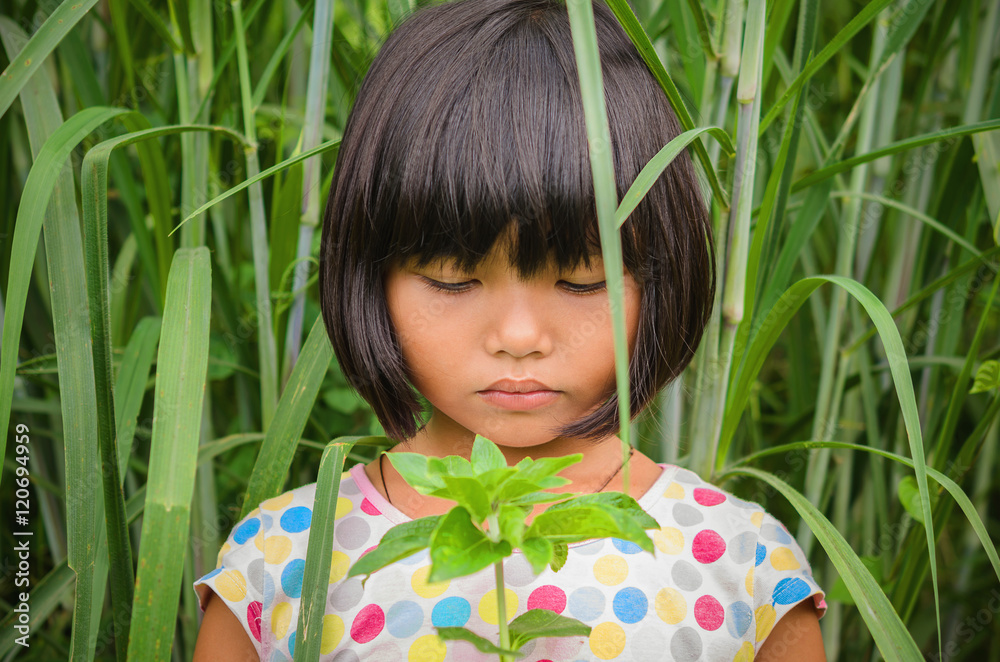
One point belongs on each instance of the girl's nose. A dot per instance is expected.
(519, 327)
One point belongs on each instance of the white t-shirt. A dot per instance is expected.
(724, 572)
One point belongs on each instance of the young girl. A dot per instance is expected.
(461, 263)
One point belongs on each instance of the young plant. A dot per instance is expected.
(488, 524)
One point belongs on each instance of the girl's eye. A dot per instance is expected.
(579, 288)
(453, 288)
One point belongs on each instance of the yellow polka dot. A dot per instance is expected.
(674, 491)
(757, 518)
(339, 564)
(276, 549)
(783, 559)
(611, 570)
(488, 605)
(258, 540)
(745, 653)
(428, 648)
(748, 582)
(278, 502)
(671, 606)
(333, 632)
(254, 512)
(607, 640)
(344, 506)
(281, 616)
(669, 540)
(222, 552)
(764, 616)
(231, 585)
(422, 588)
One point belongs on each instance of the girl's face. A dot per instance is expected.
(471, 341)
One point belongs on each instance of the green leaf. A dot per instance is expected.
(615, 500)
(538, 552)
(560, 552)
(486, 455)
(536, 623)
(468, 493)
(414, 469)
(452, 465)
(399, 542)
(840, 593)
(458, 548)
(482, 644)
(987, 377)
(909, 496)
(576, 524)
(511, 520)
(546, 467)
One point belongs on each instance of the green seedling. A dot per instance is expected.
(489, 523)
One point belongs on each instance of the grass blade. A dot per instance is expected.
(180, 383)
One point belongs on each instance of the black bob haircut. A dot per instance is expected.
(470, 121)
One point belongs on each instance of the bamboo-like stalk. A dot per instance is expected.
(319, 74)
(266, 346)
(748, 97)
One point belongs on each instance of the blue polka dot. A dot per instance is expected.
(451, 612)
(211, 574)
(630, 605)
(790, 590)
(420, 557)
(268, 590)
(626, 547)
(738, 619)
(267, 520)
(291, 643)
(246, 531)
(761, 554)
(296, 519)
(291, 578)
(404, 619)
(586, 603)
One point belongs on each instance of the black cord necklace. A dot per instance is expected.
(381, 474)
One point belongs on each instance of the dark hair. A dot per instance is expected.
(470, 119)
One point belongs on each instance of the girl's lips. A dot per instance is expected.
(519, 401)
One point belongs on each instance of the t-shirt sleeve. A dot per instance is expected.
(782, 577)
(232, 580)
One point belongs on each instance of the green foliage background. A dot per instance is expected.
(862, 199)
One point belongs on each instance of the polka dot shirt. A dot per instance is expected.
(723, 574)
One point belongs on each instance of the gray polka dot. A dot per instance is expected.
(255, 571)
(266, 521)
(590, 548)
(386, 651)
(346, 656)
(528, 647)
(648, 643)
(517, 571)
(352, 532)
(347, 595)
(741, 547)
(776, 533)
(686, 645)
(686, 576)
(687, 476)
(686, 515)
(349, 487)
(740, 503)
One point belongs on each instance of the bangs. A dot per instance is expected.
(485, 142)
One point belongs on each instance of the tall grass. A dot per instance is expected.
(854, 183)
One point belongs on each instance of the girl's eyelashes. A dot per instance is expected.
(457, 288)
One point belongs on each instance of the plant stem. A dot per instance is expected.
(502, 610)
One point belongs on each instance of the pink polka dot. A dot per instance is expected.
(253, 619)
(369, 508)
(707, 546)
(708, 497)
(547, 597)
(367, 624)
(708, 612)
(368, 550)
